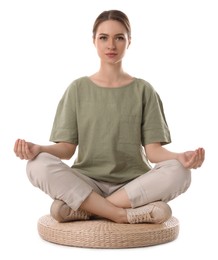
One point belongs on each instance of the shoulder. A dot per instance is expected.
(144, 84)
(149, 93)
(146, 87)
(76, 84)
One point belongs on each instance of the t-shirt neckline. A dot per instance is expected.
(101, 87)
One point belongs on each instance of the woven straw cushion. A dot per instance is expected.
(107, 234)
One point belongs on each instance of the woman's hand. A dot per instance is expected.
(26, 150)
(192, 159)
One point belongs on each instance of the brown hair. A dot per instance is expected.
(112, 15)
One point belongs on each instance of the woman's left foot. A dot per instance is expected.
(155, 212)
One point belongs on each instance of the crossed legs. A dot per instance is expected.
(56, 179)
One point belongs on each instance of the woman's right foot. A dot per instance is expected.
(61, 212)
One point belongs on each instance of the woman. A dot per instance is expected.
(117, 122)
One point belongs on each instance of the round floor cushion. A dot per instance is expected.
(106, 234)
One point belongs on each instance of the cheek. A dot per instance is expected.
(100, 48)
(123, 47)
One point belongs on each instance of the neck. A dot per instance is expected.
(110, 73)
(105, 80)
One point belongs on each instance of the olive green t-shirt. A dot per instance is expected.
(110, 126)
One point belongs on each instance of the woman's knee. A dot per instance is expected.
(38, 167)
(184, 174)
(180, 176)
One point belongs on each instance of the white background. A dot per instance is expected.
(44, 45)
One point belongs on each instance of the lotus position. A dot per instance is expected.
(115, 122)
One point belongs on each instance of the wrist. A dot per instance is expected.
(39, 149)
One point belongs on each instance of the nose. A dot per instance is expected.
(111, 44)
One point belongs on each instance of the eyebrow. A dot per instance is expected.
(105, 34)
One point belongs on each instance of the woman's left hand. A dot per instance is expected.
(192, 159)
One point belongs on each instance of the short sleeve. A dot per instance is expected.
(154, 125)
(65, 122)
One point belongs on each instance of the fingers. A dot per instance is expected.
(201, 154)
(21, 149)
(191, 160)
(16, 146)
(197, 158)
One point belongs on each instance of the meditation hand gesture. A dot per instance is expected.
(26, 150)
(192, 159)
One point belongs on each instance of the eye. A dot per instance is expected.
(103, 38)
(120, 38)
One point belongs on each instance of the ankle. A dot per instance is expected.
(121, 216)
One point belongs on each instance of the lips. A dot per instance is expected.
(111, 55)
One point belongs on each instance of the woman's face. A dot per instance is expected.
(111, 41)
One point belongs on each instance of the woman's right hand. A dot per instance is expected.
(26, 150)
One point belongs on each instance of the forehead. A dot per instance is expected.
(111, 27)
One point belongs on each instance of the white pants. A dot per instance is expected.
(165, 181)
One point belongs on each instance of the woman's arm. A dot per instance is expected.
(189, 159)
(28, 151)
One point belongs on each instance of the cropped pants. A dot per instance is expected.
(165, 181)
